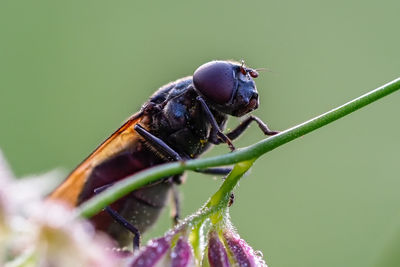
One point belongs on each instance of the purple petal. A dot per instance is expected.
(182, 254)
(242, 252)
(152, 253)
(217, 256)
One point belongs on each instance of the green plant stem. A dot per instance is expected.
(218, 203)
(221, 197)
(122, 188)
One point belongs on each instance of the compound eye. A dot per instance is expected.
(215, 80)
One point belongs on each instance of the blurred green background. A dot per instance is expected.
(72, 71)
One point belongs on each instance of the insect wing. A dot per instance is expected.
(69, 191)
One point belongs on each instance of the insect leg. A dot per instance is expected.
(215, 171)
(235, 133)
(121, 220)
(170, 152)
(158, 143)
(127, 225)
(176, 204)
(215, 131)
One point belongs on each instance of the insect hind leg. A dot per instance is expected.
(127, 225)
(120, 219)
(176, 204)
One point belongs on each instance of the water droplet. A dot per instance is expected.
(259, 253)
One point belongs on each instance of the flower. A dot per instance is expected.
(223, 247)
(34, 232)
(59, 239)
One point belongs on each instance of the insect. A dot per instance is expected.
(180, 121)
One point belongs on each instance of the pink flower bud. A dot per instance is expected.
(152, 253)
(182, 255)
(217, 256)
(243, 254)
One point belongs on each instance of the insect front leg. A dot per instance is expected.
(235, 133)
(216, 135)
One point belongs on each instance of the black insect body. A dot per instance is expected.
(180, 121)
